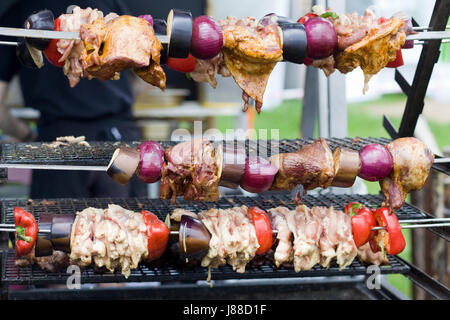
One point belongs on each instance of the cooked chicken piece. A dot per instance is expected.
(366, 255)
(111, 238)
(251, 51)
(373, 52)
(284, 251)
(412, 164)
(206, 70)
(233, 237)
(307, 230)
(178, 213)
(312, 166)
(191, 169)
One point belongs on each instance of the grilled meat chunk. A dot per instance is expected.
(54, 263)
(191, 169)
(366, 255)
(71, 49)
(122, 43)
(206, 70)
(374, 51)
(251, 51)
(233, 237)
(336, 240)
(412, 164)
(111, 238)
(284, 251)
(312, 166)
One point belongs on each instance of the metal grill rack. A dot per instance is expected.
(177, 271)
(99, 153)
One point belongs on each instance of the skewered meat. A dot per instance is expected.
(374, 51)
(251, 51)
(366, 255)
(363, 42)
(122, 43)
(312, 166)
(71, 49)
(284, 251)
(412, 163)
(192, 169)
(206, 70)
(108, 46)
(233, 237)
(112, 238)
(57, 261)
(336, 240)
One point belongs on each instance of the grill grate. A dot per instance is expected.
(99, 154)
(176, 271)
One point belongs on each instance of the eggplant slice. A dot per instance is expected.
(179, 32)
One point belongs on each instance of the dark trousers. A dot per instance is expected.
(85, 184)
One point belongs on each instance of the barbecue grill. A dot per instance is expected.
(171, 278)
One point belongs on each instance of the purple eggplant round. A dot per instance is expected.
(193, 238)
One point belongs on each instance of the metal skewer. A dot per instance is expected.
(47, 34)
(421, 28)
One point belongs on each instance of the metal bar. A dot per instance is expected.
(424, 220)
(428, 58)
(430, 35)
(422, 28)
(442, 160)
(427, 283)
(53, 167)
(44, 34)
(47, 34)
(387, 124)
(8, 43)
(417, 226)
(404, 85)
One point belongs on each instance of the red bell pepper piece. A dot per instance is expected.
(51, 52)
(26, 231)
(394, 242)
(263, 229)
(158, 235)
(398, 62)
(353, 208)
(181, 64)
(306, 17)
(363, 221)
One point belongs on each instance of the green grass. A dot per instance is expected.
(361, 123)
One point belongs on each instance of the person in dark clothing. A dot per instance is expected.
(99, 110)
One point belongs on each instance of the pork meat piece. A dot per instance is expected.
(306, 229)
(191, 169)
(374, 51)
(312, 166)
(251, 51)
(284, 251)
(366, 255)
(122, 43)
(412, 164)
(206, 70)
(233, 237)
